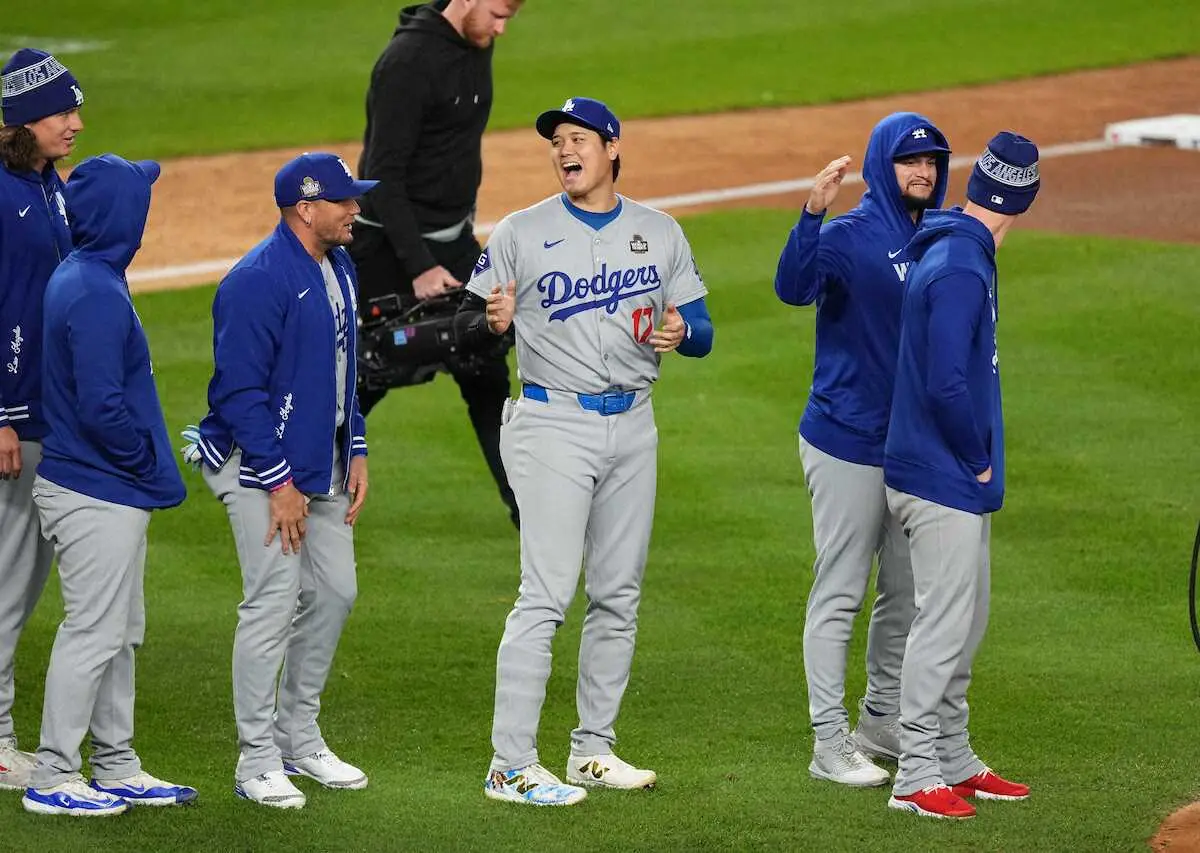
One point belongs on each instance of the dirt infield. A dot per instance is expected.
(210, 208)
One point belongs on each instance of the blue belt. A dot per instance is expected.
(608, 403)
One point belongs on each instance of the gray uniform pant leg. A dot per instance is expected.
(552, 458)
(101, 551)
(290, 618)
(851, 525)
(950, 569)
(618, 540)
(25, 558)
(328, 588)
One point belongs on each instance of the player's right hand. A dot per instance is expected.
(288, 511)
(434, 282)
(10, 454)
(986, 476)
(501, 305)
(826, 185)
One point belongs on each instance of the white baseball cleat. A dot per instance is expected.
(533, 785)
(15, 766)
(327, 769)
(273, 789)
(73, 797)
(837, 759)
(142, 789)
(608, 771)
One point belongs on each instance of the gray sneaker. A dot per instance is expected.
(877, 736)
(837, 759)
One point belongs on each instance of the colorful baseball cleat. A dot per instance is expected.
(272, 789)
(986, 785)
(838, 759)
(533, 785)
(935, 801)
(142, 789)
(327, 769)
(877, 736)
(15, 766)
(608, 771)
(73, 797)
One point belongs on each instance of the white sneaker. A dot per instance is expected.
(271, 789)
(142, 789)
(608, 771)
(534, 785)
(837, 759)
(327, 769)
(73, 797)
(877, 736)
(15, 766)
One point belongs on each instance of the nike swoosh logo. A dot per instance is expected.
(303, 292)
(547, 244)
(893, 254)
(21, 213)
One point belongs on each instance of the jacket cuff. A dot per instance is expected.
(4, 418)
(358, 446)
(269, 478)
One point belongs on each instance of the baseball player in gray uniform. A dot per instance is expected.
(598, 288)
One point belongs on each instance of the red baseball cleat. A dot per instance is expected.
(988, 786)
(934, 801)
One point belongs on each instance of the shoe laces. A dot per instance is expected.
(539, 775)
(846, 750)
(933, 790)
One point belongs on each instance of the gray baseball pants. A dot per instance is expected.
(293, 609)
(585, 485)
(952, 574)
(101, 550)
(851, 527)
(25, 558)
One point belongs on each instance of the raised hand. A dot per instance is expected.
(501, 305)
(826, 185)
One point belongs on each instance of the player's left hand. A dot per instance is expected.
(357, 487)
(671, 334)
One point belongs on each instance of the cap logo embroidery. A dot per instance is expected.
(349, 174)
(919, 133)
(569, 106)
(78, 95)
(1006, 173)
(26, 79)
(309, 188)
(997, 199)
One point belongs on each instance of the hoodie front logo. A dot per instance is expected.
(901, 271)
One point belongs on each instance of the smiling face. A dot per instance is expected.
(916, 175)
(55, 134)
(582, 159)
(330, 221)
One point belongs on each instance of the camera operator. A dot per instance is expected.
(427, 106)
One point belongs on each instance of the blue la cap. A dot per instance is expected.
(313, 177)
(924, 139)
(1006, 177)
(586, 112)
(37, 85)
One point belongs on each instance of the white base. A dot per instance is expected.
(1175, 131)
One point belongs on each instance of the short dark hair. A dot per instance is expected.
(18, 147)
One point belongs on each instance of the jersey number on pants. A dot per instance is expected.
(643, 317)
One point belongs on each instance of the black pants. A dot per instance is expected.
(483, 390)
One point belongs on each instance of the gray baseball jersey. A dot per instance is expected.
(588, 300)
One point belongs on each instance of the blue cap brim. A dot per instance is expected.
(149, 168)
(361, 188)
(549, 120)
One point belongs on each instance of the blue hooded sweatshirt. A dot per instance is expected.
(853, 268)
(34, 238)
(107, 436)
(947, 424)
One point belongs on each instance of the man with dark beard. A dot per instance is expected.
(852, 268)
(427, 107)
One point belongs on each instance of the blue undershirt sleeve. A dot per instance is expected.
(698, 338)
(956, 304)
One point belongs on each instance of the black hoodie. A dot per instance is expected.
(427, 107)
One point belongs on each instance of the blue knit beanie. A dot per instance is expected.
(37, 85)
(1006, 178)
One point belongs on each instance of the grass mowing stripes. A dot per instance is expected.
(1085, 686)
(226, 75)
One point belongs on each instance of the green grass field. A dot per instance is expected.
(1085, 686)
(227, 75)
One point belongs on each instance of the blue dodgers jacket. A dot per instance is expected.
(273, 391)
(853, 268)
(34, 239)
(947, 425)
(107, 438)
